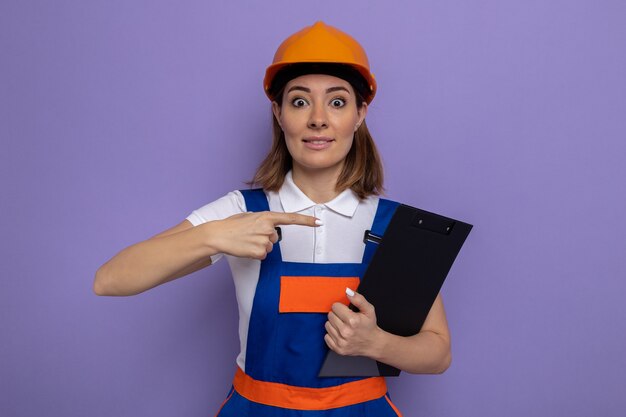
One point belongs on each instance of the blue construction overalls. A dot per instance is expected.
(286, 348)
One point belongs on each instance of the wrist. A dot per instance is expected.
(378, 345)
(211, 237)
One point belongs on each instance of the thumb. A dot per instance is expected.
(360, 302)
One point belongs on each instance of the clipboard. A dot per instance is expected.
(403, 279)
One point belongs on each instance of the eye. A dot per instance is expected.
(337, 102)
(298, 102)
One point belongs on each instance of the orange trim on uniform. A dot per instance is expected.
(313, 294)
(393, 406)
(224, 403)
(304, 398)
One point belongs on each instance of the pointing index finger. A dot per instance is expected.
(293, 218)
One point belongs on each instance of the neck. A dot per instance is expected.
(319, 185)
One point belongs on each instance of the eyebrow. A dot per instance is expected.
(308, 90)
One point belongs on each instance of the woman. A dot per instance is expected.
(320, 184)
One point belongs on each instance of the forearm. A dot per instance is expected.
(155, 261)
(424, 353)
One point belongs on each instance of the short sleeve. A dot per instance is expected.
(229, 205)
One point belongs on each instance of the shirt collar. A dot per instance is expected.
(294, 200)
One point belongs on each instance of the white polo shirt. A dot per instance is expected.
(339, 240)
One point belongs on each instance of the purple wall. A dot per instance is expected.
(119, 118)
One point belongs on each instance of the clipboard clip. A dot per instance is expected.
(371, 237)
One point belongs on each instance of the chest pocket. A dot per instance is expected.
(313, 294)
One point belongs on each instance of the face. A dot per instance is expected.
(319, 116)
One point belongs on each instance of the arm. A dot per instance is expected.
(174, 253)
(184, 249)
(427, 352)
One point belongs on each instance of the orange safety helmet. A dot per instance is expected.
(321, 44)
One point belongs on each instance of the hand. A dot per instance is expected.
(350, 333)
(252, 235)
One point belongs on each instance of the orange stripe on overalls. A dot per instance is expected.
(302, 398)
(313, 294)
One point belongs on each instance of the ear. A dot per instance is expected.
(361, 112)
(277, 112)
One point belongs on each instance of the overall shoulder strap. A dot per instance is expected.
(255, 200)
(384, 213)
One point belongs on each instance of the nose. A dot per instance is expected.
(317, 117)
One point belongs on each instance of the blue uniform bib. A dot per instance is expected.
(286, 347)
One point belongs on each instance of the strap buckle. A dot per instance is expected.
(371, 237)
